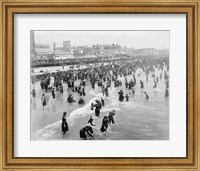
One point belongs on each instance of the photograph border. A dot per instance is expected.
(11, 7)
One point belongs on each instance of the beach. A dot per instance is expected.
(136, 119)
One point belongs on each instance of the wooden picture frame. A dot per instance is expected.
(10, 7)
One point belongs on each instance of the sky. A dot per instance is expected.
(136, 39)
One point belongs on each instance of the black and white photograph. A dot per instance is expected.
(99, 85)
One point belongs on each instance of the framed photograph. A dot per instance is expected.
(99, 85)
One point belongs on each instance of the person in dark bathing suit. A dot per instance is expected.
(111, 117)
(91, 121)
(146, 96)
(81, 101)
(64, 126)
(104, 124)
(33, 93)
(86, 133)
(166, 93)
(127, 97)
(53, 93)
(155, 84)
(92, 106)
(121, 95)
(43, 100)
(83, 90)
(141, 84)
(70, 99)
(97, 109)
(102, 102)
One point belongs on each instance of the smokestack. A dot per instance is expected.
(32, 39)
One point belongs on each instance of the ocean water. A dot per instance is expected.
(136, 119)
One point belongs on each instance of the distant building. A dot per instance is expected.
(42, 51)
(81, 51)
(67, 46)
(42, 48)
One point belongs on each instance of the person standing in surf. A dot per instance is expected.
(127, 97)
(44, 103)
(121, 95)
(133, 90)
(83, 90)
(53, 94)
(104, 124)
(141, 84)
(111, 117)
(33, 93)
(103, 90)
(93, 83)
(102, 102)
(166, 93)
(155, 84)
(92, 106)
(97, 108)
(106, 91)
(90, 121)
(64, 126)
(61, 89)
(146, 96)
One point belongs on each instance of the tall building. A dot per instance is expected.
(32, 45)
(67, 46)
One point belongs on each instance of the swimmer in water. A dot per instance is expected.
(127, 97)
(92, 106)
(91, 121)
(81, 101)
(104, 124)
(111, 117)
(86, 133)
(146, 96)
(166, 93)
(141, 84)
(102, 102)
(121, 95)
(97, 108)
(64, 115)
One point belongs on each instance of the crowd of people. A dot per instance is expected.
(58, 62)
(44, 61)
(103, 77)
